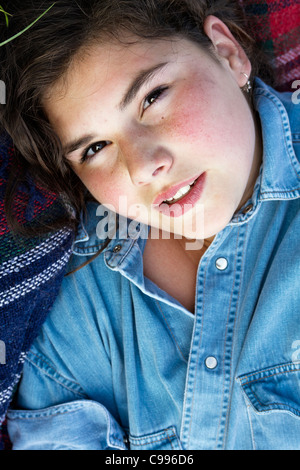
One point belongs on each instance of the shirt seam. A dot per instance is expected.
(196, 362)
(135, 440)
(272, 406)
(239, 271)
(268, 376)
(241, 378)
(250, 423)
(51, 377)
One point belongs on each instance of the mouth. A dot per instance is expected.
(180, 198)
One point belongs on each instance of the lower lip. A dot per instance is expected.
(185, 204)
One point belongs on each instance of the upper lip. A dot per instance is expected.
(170, 193)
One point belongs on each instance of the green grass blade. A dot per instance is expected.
(5, 14)
(23, 31)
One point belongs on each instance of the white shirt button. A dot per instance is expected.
(211, 362)
(221, 264)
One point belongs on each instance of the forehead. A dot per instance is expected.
(109, 63)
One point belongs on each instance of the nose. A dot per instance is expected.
(146, 161)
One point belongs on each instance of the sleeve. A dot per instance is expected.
(76, 423)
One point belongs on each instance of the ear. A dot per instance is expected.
(228, 48)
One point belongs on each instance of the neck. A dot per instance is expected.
(193, 249)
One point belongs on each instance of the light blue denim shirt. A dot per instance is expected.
(120, 364)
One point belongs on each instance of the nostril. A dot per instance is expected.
(157, 170)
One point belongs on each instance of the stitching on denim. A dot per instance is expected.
(42, 416)
(266, 376)
(133, 241)
(89, 247)
(170, 442)
(196, 363)
(235, 314)
(148, 437)
(148, 440)
(251, 426)
(272, 375)
(54, 379)
(280, 191)
(226, 329)
(273, 405)
(193, 364)
(58, 410)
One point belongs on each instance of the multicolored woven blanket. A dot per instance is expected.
(31, 271)
(275, 24)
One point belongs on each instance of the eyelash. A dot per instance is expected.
(156, 94)
(85, 156)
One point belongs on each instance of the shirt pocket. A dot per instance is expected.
(273, 403)
(78, 425)
(166, 439)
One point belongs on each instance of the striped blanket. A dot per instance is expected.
(31, 271)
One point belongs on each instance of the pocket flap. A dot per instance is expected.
(78, 425)
(277, 388)
(166, 439)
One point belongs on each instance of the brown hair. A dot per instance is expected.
(34, 61)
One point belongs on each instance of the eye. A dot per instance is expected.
(93, 150)
(153, 97)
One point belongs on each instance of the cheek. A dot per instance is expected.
(193, 120)
(106, 187)
(187, 125)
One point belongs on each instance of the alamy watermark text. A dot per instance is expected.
(2, 353)
(296, 94)
(2, 92)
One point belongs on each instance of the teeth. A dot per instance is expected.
(182, 192)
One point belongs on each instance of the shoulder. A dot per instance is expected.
(280, 117)
(291, 103)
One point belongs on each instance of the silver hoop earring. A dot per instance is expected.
(247, 87)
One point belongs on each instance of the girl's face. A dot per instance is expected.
(140, 122)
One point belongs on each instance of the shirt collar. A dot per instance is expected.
(102, 229)
(279, 178)
(280, 172)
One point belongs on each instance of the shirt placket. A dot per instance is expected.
(211, 362)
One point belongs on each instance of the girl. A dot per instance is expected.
(183, 332)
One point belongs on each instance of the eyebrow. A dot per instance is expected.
(78, 143)
(141, 79)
